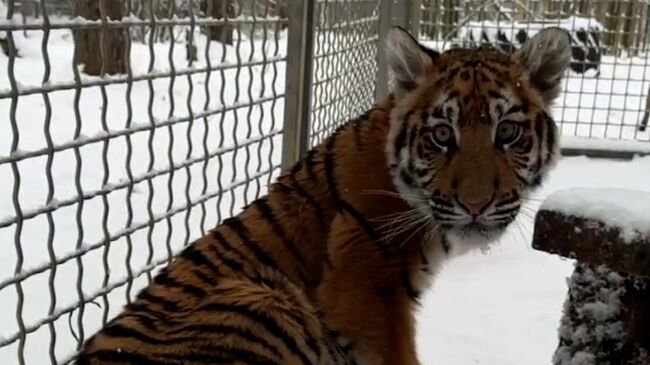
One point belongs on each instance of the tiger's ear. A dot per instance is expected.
(407, 59)
(546, 56)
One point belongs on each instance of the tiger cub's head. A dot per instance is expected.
(471, 134)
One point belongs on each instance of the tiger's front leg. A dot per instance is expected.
(362, 298)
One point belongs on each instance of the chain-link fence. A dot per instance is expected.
(132, 127)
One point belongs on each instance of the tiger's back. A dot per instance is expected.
(239, 295)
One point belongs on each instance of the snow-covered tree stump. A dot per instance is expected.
(606, 319)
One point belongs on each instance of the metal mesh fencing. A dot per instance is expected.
(606, 94)
(345, 63)
(131, 128)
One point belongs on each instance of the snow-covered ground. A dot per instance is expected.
(499, 308)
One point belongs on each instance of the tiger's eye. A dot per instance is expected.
(508, 132)
(443, 135)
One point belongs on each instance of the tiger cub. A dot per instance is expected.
(327, 267)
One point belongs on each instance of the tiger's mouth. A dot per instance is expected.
(473, 235)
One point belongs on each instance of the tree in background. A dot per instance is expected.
(220, 9)
(91, 42)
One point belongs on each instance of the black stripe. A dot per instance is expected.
(513, 109)
(513, 199)
(444, 211)
(423, 259)
(122, 357)
(263, 319)
(296, 167)
(522, 159)
(237, 266)
(406, 177)
(484, 77)
(318, 210)
(211, 355)
(198, 258)
(452, 95)
(238, 227)
(82, 359)
(540, 129)
(496, 72)
(310, 163)
(442, 202)
(221, 329)
(367, 227)
(438, 113)
(330, 167)
(400, 141)
(408, 287)
(207, 280)
(412, 136)
(526, 145)
(356, 129)
(232, 264)
(144, 308)
(166, 304)
(144, 318)
(507, 211)
(167, 281)
(495, 94)
(268, 214)
(120, 330)
(446, 246)
(233, 355)
(521, 178)
(350, 240)
(550, 135)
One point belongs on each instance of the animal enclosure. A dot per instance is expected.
(131, 127)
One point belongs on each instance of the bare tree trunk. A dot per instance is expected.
(219, 9)
(91, 42)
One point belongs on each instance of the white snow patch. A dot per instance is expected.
(592, 319)
(624, 209)
(606, 144)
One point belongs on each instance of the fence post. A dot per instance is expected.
(300, 44)
(408, 14)
(415, 16)
(385, 22)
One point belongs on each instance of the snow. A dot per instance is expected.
(593, 327)
(498, 308)
(624, 209)
(584, 143)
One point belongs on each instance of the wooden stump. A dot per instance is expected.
(591, 241)
(606, 319)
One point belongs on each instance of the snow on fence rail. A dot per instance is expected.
(128, 136)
